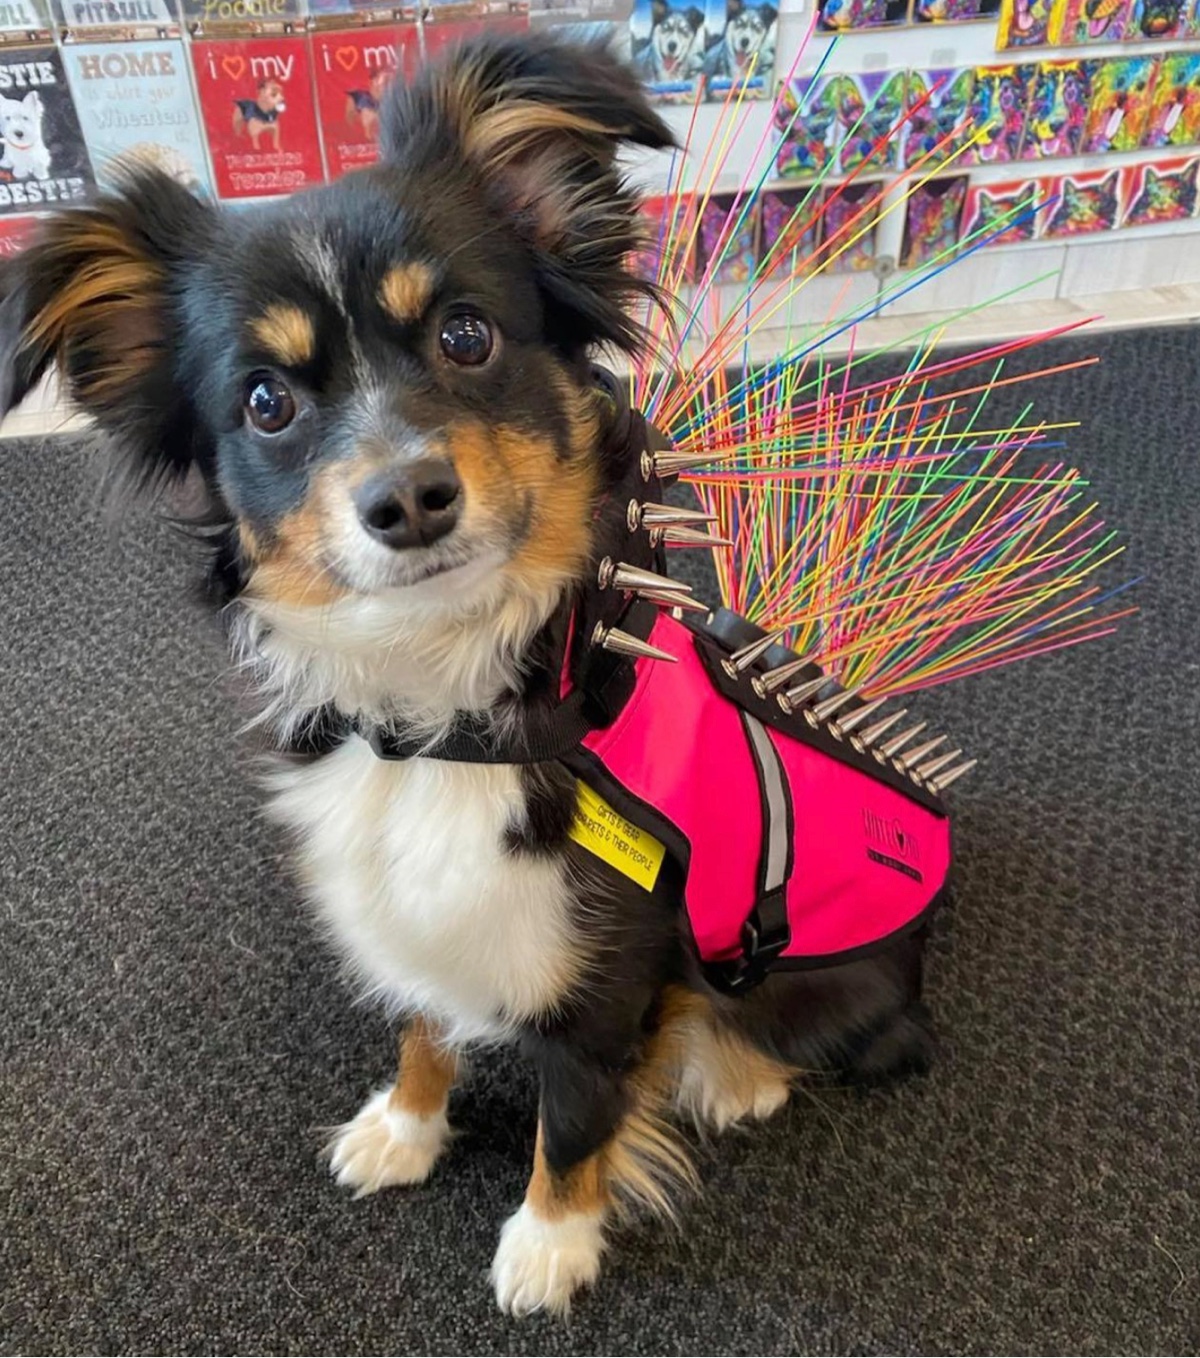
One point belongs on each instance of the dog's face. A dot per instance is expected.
(384, 383)
(676, 36)
(750, 30)
(270, 97)
(21, 121)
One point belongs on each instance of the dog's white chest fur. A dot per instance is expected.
(408, 865)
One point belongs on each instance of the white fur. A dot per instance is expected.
(419, 653)
(25, 153)
(408, 866)
(384, 1146)
(540, 1264)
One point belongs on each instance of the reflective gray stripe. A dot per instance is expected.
(776, 828)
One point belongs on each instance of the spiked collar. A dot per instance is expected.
(582, 662)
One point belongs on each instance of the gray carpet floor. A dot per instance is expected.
(172, 1032)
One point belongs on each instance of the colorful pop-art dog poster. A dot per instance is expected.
(849, 120)
(953, 11)
(43, 158)
(1024, 23)
(1083, 204)
(1058, 95)
(1174, 116)
(788, 234)
(1077, 22)
(848, 226)
(931, 220)
(668, 45)
(136, 107)
(939, 125)
(741, 54)
(256, 99)
(839, 16)
(1119, 111)
(353, 69)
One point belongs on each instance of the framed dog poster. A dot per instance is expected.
(43, 159)
(353, 69)
(727, 241)
(256, 101)
(997, 115)
(1119, 110)
(848, 227)
(24, 21)
(840, 16)
(953, 11)
(741, 53)
(135, 105)
(668, 44)
(1057, 97)
(1084, 204)
(1077, 22)
(1174, 115)
(931, 219)
(788, 235)
(939, 126)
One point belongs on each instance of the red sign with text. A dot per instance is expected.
(256, 99)
(353, 69)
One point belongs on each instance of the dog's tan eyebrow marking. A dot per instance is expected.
(405, 290)
(286, 332)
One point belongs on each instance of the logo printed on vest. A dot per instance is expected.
(889, 834)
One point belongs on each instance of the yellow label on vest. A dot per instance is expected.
(620, 843)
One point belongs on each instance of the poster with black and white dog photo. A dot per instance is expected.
(669, 40)
(43, 159)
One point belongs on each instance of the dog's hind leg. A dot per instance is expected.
(723, 1079)
(400, 1131)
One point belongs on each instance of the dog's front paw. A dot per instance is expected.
(384, 1146)
(540, 1264)
(721, 1103)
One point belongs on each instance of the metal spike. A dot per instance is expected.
(938, 784)
(664, 599)
(864, 739)
(620, 575)
(927, 770)
(613, 639)
(691, 537)
(648, 515)
(671, 463)
(766, 684)
(802, 693)
(744, 657)
(911, 757)
(823, 711)
(851, 721)
(897, 743)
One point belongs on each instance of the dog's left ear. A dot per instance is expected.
(538, 123)
(769, 14)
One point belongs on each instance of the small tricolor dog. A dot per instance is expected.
(538, 793)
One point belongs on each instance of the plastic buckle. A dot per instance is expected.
(759, 950)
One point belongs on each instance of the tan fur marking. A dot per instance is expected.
(291, 568)
(109, 304)
(508, 473)
(286, 332)
(405, 291)
(513, 128)
(582, 1189)
(427, 1071)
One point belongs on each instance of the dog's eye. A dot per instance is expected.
(466, 339)
(270, 406)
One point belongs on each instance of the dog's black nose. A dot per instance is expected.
(412, 506)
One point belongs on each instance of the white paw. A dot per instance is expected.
(540, 1264)
(384, 1146)
(722, 1106)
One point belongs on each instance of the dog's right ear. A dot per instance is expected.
(95, 295)
(659, 9)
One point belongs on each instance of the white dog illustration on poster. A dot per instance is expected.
(25, 153)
